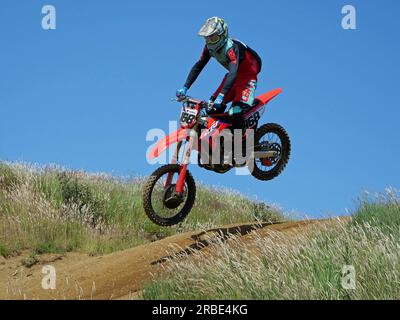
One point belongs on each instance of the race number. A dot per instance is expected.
(188, 116)
(252, 120)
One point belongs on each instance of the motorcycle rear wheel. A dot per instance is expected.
(270, 171)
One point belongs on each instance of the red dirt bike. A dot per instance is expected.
(169, 193)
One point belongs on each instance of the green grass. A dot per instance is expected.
(303, 266)
(53, 210)
(381, 211)
(4, 251)
(30, 261)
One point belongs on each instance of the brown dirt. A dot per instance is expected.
(119, 275)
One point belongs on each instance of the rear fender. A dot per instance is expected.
(267, 97)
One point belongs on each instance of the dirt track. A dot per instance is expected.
(119, 275)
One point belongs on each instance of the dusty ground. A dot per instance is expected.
(120, 275)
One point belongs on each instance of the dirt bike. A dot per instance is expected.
(170, 192)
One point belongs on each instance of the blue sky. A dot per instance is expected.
(85, 95)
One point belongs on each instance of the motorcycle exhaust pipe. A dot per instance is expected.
(265, 154)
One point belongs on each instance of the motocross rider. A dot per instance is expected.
(243, 65)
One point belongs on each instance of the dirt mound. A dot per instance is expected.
(122, 274)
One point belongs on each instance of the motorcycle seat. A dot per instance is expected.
(224, 117)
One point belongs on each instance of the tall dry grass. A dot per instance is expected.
(51, 209)
(307, 265)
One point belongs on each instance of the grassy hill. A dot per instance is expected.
(53, 210)
(298, 266)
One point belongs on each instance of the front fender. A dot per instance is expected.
(164, 143)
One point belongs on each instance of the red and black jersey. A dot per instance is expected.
(235, 56)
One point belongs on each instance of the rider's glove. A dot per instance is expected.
(210, 106)
(217, 105)
(181, 92)
(218, 101)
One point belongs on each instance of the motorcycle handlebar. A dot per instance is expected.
(203, 104)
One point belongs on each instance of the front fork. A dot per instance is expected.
(173, 161)
(182, 174)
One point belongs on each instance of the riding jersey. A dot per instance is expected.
(239, 59)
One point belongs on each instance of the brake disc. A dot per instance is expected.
(171, 199)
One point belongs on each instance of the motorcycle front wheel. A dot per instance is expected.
(161, 203)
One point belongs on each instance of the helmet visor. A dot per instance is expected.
(213, 39)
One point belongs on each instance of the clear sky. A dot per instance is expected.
(85, 95)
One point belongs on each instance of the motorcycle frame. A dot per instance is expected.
(185, 134)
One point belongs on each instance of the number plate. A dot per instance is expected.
(188, 117)
(251, 120)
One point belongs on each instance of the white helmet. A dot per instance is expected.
(215, 32)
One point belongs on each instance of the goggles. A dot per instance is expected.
(213, 39)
